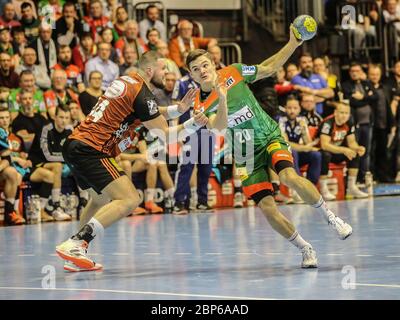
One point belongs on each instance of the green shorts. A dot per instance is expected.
(258, 180)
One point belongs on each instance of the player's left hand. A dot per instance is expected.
(293, 39)
(187, 101)
(221, 89)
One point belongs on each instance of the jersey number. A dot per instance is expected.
(97, 112)
(243, 135)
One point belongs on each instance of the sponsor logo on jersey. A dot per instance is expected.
(230, 82)
(326, 128)
(242, 172)
(116, 89)
(239, 117)
(122, 128)
(152, 105)
(248, 70)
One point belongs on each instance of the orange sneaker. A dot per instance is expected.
(75, 251)
(139, 211)
(14, 219)
(152, 207)
(69, 266)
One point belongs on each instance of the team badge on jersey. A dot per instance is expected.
(152, 105)
(248, 70)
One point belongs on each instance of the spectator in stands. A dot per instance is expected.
(391, 13)
(108, 35)
(7, 19)
(384, 123)
(29, 23)
(18, 8)
(110, 9)
(180, 46)
(77, 116)
(8, 77)
(152, 20)
(47, 159)
(312, 83)
(162, 48)
(339, 144)
(291, 71)
(5, 41)
(8, 174)
(42, 79)
(28, 122)
(120, 22)
(59, 94)
(75, 81)
(96, 20)
(89, 97)
(152, 36)
(164, 95)
(362, 97)
(85, 50)
(26, 83)
(130, 58)
(131, 38)
(308, 106)
(103, 64)
(68, 27)
(19, 40)
(295, 131)
(45, 48)
(216, 54)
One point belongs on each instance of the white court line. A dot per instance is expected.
(26, 255)
(392, 256)
(138, 292)
(396, 286)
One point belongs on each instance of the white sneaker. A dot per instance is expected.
(250, 203)
(193, 204)
(59, 215)
(356, 193)
(343, 229)
(327, 195)
(71, 267)
(309, 257)
(76, 252)
(238, 200)
(296, 198)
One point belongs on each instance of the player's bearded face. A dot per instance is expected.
(158, 78)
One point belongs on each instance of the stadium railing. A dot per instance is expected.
(231, 53)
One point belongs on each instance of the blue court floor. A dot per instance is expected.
(231, 254)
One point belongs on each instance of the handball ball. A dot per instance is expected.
(305, 27)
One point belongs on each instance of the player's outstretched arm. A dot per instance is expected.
(219, 120)
(176, 110)
(159, 127)
(271, 65)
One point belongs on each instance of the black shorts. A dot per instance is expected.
(91, 168)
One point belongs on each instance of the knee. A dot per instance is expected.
(288, 176)
(57, 167)
(268, 207)
(316, 156)
(11, 174)
(133, 201)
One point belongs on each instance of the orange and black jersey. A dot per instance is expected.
(337, 133)
(110, 126)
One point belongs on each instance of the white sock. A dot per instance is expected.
(193, 192)
(150, 195)
(237, 183)
(98, 229)
(170, 192)
(324, 184)
(43, 202)
(351, 183)
(55, 194)
(322, 208)
(84, 194)
(298, 241)
(10, 200)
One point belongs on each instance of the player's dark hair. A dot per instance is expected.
(25, 72)
(195, 54)
(25, 5)
(150, 7)
(68, 4)
(149, 57)
(355, 64)
(151, 30)
(62, 107)
(93, 72)
(4, 109)
(305, 54)
(291, 97)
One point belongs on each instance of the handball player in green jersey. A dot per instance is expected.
(226, 99)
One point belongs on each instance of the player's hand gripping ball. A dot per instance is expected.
(304, 27)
